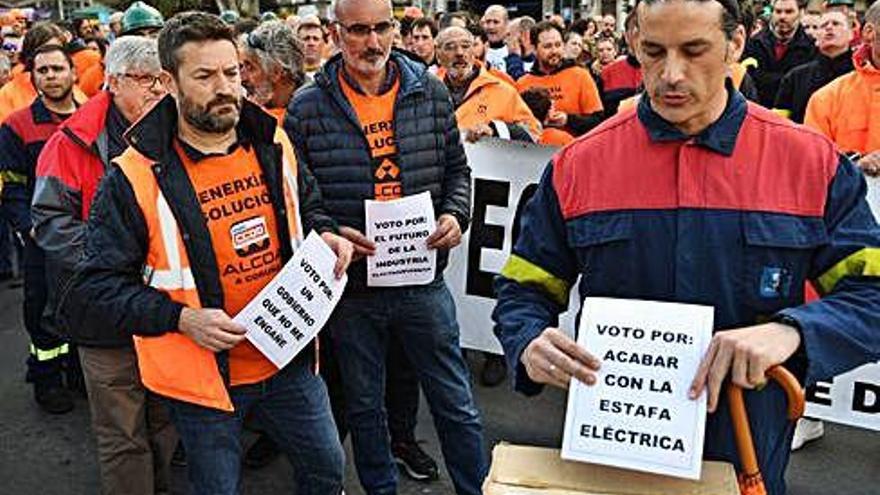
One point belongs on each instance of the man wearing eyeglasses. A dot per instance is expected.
(22, 136)
(484, 104)
(377, 126)
(131, 425)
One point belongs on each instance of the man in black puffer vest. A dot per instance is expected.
(375, 125)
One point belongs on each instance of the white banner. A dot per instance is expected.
(505, 175)
(851, 398)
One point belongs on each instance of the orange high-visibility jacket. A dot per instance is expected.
(491, 99)
(172, 364)
(847, 109)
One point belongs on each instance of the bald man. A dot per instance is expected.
(375, 125)
(484, 104)
(494, 22)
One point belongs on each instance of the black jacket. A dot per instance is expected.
(106, 300)
(328, 138)
(769, 71)
(801, 82)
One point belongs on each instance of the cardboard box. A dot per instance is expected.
(521, 470)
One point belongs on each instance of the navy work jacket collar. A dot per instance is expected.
(42, 115)
(719, 137)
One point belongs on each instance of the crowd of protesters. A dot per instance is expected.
(120, 144)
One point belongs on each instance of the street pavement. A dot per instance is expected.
(47, 455)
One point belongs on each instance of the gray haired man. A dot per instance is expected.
(134, 435)
(271, 66)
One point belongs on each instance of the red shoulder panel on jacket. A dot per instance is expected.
(618, 167)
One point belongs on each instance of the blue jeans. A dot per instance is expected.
(294, 412)
(423, 320)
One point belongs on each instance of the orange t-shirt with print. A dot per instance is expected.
(235, 202)
(376, 115)
(572, 90)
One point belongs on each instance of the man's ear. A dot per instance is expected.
(736, 45)
(169, 82)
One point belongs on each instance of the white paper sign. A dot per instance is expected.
(289, 311)
(638, 415)
(400, 228)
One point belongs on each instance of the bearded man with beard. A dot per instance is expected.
(376, 125)
(162, 261)
(780, 47)
(577, 106)
(271, 66)
(484, 105)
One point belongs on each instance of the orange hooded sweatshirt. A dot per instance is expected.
(847, 110)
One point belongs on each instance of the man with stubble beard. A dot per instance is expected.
(782, 46)
(161, 262)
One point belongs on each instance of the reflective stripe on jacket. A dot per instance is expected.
(173, 365)
(140, 269)
(737, 217)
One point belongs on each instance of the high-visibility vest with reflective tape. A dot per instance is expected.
(172, 364)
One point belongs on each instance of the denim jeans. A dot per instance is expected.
(294, 411)
(423, 319)
(401, 390)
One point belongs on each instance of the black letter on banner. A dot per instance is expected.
(486, 192)
(863, 393)
(820, 393)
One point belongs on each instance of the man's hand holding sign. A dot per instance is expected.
(747, 353)
(216, 331)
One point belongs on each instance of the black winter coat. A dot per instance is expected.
(328, 138)
(801, 82)
(770, 71)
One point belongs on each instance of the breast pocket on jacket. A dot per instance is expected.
(603, 245)
(778, 252)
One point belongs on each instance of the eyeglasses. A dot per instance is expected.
(145, 81)
(383, 28)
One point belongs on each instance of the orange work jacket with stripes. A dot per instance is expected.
(172, 364)
(847, 110)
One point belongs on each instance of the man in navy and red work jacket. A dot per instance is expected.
(698, 196)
